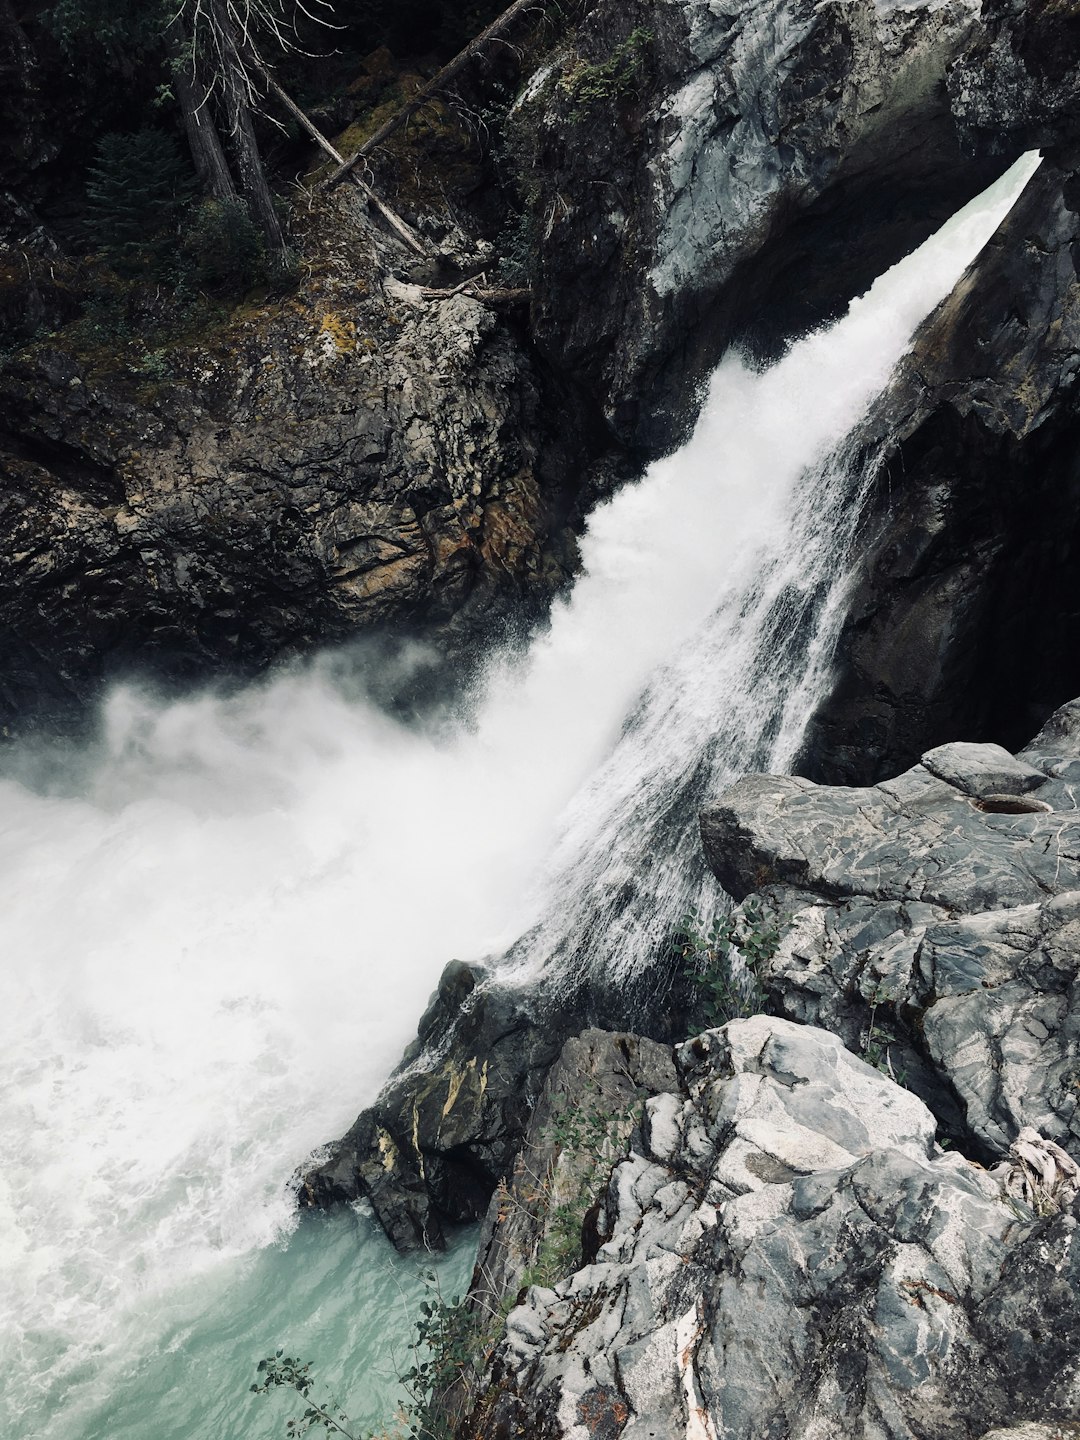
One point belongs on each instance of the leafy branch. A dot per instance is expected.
(283, 1370)
(724, 959)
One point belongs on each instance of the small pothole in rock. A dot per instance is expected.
(1010, 805)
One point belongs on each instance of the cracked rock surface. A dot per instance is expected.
(785, 1251)
(933, 921)
(358, 459)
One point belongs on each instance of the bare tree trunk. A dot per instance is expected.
(423, 95)
(250, 172)
(203, 140)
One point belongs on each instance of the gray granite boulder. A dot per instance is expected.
(933, 922)
(788, 1253)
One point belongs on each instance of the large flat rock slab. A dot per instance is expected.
(933, 922)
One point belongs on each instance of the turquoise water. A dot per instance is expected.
(335, 1294)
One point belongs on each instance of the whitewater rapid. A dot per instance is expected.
(220, 921)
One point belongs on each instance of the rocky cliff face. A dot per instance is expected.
(932, 919)
(699, 173)
(772, 1240)
(357, 457)
(785, 1250)
(963, 619)
(451, 1122)
(351, 456)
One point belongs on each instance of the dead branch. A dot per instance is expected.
(422, 96)
(396, 223)
(486, 294)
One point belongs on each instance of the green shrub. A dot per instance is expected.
(593, 86)
(723, 961)
(449, 1345)
(225, 247)
(283, 1371)
(881, 1034)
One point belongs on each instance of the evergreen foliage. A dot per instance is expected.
(113, 32)
(136, 193)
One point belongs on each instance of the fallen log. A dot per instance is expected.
(403, 231)
(486, 294)
(493, 32)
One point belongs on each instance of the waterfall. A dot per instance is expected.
(219, 922)
(773, 489)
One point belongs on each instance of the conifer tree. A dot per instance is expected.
(137, 189)
(213, 64)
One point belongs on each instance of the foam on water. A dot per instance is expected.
(216, 942)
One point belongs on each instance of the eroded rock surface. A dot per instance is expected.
(590, 1106)
(932, 924)
(364, 458)
(788, 1253)
(735, 170)
(450, 1124)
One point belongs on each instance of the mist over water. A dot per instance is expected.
(217, 934)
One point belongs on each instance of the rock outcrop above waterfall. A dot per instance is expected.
(1021, 76)
(784, 1250)
(701, 172)
(359, 459)
(932, 921)
(353, 456)
(963, 617)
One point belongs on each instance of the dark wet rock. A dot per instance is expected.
(788, 1252)
(932, 928)
(963, 617)
(1021, 75)
(736, 171)
(446, 1129)
(361, 460)
(355, 457)
(450, 1124)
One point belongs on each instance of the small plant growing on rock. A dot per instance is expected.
(877, 1040)
(451, 1340)
(590, 86)
(723, 961)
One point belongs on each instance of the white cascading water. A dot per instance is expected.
(219, 926)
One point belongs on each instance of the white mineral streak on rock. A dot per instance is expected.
(688, 1332)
